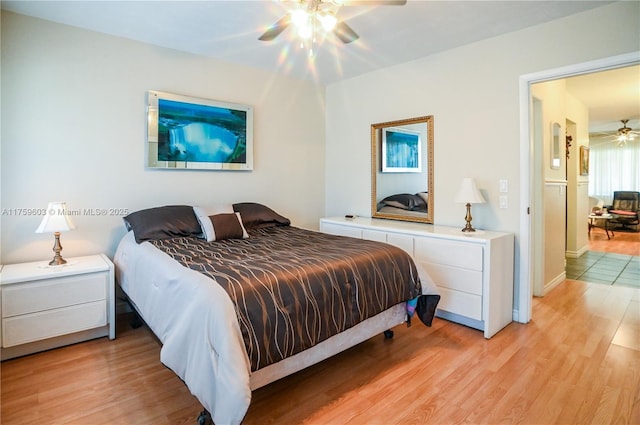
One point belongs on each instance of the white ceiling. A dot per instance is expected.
(229, 30)
(611, 96)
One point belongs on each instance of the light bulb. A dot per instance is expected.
(305, 31)
(300, 17)
(328, 21)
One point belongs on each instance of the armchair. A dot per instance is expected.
(626, 205)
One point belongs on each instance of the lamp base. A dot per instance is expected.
(57, 248)
(468, 227)
(57, 261)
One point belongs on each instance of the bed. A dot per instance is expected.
(405, 204)
(240, 298)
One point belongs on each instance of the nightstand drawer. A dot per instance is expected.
(48, 294)
(461, 303)
(51, 323)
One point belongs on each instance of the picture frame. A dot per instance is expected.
(584, 160)
(185, 132)
(555, 146)
(401, 150)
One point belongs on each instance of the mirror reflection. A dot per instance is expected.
(402, 169)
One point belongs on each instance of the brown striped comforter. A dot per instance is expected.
(294, 288)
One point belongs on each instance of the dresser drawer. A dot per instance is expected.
(374, 235)
(461, 303)
(334, 229)
(404, 242)
(51, 323)
(464, 280)
(464, 255)
(42, 295)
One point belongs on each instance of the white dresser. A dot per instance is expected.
(473, 272)
(44, 307)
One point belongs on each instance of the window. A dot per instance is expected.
(613, 167)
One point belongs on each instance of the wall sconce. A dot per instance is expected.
(56, 220)
(469, 194)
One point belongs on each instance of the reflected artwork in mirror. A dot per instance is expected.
(402, 170)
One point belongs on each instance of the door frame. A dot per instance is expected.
(531, 199)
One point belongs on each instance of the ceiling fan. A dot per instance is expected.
(623, 135)
(309, 15)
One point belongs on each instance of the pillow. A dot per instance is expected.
(622, 212)
(227, 226)
(258, 215)
(424, 196)
(405, 201)
(163, 223)
(203, 214)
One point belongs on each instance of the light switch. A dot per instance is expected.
(504, 186)
(504, 201)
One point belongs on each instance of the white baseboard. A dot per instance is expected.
(516, 316)
(578, 253)
(555, 282)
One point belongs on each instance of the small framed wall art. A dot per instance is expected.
(555, 146)
(584, 160)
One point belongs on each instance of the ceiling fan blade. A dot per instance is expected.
(275, 29)
(345, 33)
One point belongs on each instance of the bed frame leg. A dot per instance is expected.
(388, 334)
(136, 322)
(204, 418)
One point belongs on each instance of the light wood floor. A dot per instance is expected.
(577, 362)
(621, 243)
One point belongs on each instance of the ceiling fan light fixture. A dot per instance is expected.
(305, 32)
(299, 17)
(319, 17)
(328, 21)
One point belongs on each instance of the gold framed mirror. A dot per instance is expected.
(402, 170)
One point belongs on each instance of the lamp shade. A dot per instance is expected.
(469, 193)
(56, 219)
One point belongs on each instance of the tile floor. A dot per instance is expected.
(605, 267)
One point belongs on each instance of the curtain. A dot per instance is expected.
(612, 168)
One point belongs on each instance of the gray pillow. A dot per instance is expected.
(258, 215)
(405, 201)
(163, 223)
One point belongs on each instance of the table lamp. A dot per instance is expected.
(469, 194)
(56, 220)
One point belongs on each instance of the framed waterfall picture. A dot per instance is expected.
(198, 134)
(401, 151)
(584, 160)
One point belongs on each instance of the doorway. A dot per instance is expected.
(531, 179)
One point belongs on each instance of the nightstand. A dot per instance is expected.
(44, 307)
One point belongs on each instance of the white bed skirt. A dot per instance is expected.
(371, 327)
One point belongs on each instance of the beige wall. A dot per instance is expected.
(565, 190)
(73, 129)
(473, 94)
(552, 96)
(577, 236)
